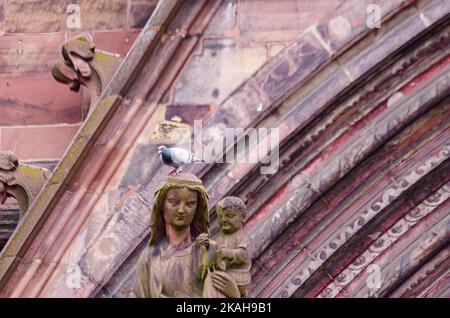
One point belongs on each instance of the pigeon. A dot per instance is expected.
(176, 157)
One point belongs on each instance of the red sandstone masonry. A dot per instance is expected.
(84, 208)
(37, 100)
(31, 35)
(281, 21)
(29, 95)
(44, 142)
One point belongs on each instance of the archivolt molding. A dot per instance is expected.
(386, 240)
(430, 274)
(71, 198)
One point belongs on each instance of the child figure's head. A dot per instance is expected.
(231, 214)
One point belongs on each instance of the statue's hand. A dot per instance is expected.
(202, 240)
(225, 284)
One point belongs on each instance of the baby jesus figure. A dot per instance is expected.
(230, 253)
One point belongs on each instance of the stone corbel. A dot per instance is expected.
(23, 182)
(84, 66)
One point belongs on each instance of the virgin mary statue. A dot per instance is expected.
(169, 266)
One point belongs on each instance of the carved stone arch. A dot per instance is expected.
(325, 108)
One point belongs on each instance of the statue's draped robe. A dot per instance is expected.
(163, 271)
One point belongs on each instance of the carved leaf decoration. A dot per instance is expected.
(8, 160)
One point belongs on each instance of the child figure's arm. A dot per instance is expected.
(241, 254)
(237, 256)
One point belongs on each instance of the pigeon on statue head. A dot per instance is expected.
(176, 157)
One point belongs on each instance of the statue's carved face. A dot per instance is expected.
(180, 206)
(230, 220)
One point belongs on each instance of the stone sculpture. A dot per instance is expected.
(83, 65)
(230, 252)
(171, 265)
(23, 182)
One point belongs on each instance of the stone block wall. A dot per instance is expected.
(245, 34)
(242, 37)
(39, 116)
